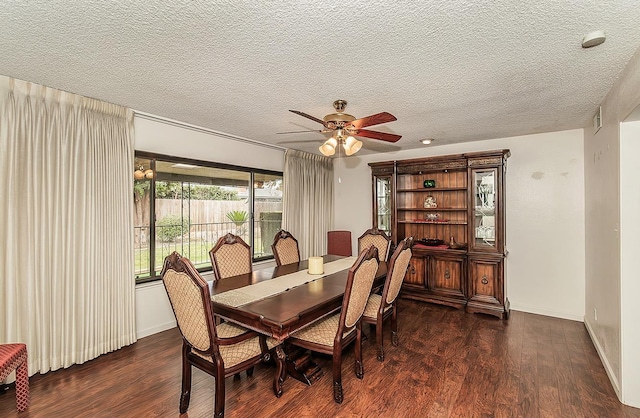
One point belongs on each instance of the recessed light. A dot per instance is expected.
(594, 38)
(427, 141)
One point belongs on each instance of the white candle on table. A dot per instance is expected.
(315, 265)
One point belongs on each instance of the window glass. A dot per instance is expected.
(194, 205)
(141, 220)
(267, 191)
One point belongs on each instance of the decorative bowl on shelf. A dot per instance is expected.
(431, 242)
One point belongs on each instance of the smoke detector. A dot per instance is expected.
(594, 38)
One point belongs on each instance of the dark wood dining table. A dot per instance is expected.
(280, 315)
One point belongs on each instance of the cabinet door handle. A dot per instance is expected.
(447, 276)
(484, 279)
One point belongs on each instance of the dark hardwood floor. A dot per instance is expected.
(448, 364)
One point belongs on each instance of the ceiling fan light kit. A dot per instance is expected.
(345, 126)
(351, 145)
(329, 147)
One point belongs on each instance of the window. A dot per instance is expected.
(194, 203)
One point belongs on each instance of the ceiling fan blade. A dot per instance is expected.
(376, 119)
(299, 132)
(313, 118)
(378, 135)
(305, 141)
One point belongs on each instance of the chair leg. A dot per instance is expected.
(185, 394)
(394, 326)
(218, 407)
(379, 341)
(358, 350)
(337, 374)
(278, 379)
(22, 387)
(250, 371)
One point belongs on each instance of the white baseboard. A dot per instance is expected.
(603, 359)
(556, 314)
(154, 330)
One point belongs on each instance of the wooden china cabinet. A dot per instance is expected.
(453, 206)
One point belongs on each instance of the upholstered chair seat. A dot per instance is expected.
(381, 307)
(237, 353)
(373, 304)
(323, 332)
(332, 334)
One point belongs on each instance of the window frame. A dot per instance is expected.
(153, 157)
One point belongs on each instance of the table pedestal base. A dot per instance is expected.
(300, 366)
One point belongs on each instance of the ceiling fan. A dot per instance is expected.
(345, 127)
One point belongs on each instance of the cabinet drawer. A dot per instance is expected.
(416, 271)
(486, 282)
(446, 276)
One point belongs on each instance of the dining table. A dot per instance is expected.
(281, 300)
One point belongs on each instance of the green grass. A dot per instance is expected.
(197, 252)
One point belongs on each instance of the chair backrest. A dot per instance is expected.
(396, 271)
(358, 287)
(339, 243)
(191, 303)
(285, 248)
(377, 237)
(230, 256)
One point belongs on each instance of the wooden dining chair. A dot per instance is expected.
(285, 248)
(377, 237)
(230, 256)
(219, 350)
(332, 334)
(381, 307)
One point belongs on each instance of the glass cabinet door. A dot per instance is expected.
(484, 209)
(382, 208)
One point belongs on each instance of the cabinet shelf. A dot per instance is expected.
(434, 209)
(433, 189)
(417, 221)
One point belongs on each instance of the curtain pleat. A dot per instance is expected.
(308, 200)
(66, 273)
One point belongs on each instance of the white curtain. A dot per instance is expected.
(66, 225)
(308, 200)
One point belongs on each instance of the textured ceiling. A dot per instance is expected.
(452, 70)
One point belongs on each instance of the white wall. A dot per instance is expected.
(544, 214)
(629, 261)
(614, 331)
(169, 139)
(153, 311)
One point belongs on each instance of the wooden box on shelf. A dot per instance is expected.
(455, 199)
